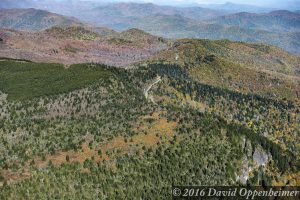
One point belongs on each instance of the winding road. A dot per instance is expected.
(147, 89)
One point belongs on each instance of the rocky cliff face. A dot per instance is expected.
(254, 158)
(260, 157)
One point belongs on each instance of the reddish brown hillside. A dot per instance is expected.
(77, 45)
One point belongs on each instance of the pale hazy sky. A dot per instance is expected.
(269, 3)
(251, 2)
(284, 4)
(265, 3)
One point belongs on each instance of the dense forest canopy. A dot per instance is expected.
(96, 135)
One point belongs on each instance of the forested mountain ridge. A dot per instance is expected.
(238, 66)
(87, 112)
(243, 67)
(80, 44)
(124, 13)
(275, 21)
(170, 22)
(179, 27)
(279, 27)
(100, 127)
(33, 19)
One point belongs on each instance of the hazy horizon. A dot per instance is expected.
(249, 2)
(247, 5)
(284, 4)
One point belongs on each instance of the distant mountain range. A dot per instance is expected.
(33, 19)
(233, 7)
(172, 22)
(275, 21)
(280, 28)
(122, 16)
(54, 4)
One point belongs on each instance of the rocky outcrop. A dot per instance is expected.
(254, 158)
(244, 173)
(260, 157)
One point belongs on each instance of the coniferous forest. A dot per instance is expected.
(89, 132)
(113, 100)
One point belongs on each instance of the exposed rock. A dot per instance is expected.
(260, 157)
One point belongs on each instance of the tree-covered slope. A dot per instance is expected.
(33, 19)
(238, 66)
(80, 44)
(105, 139)
(275, 21)
(180, 26)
